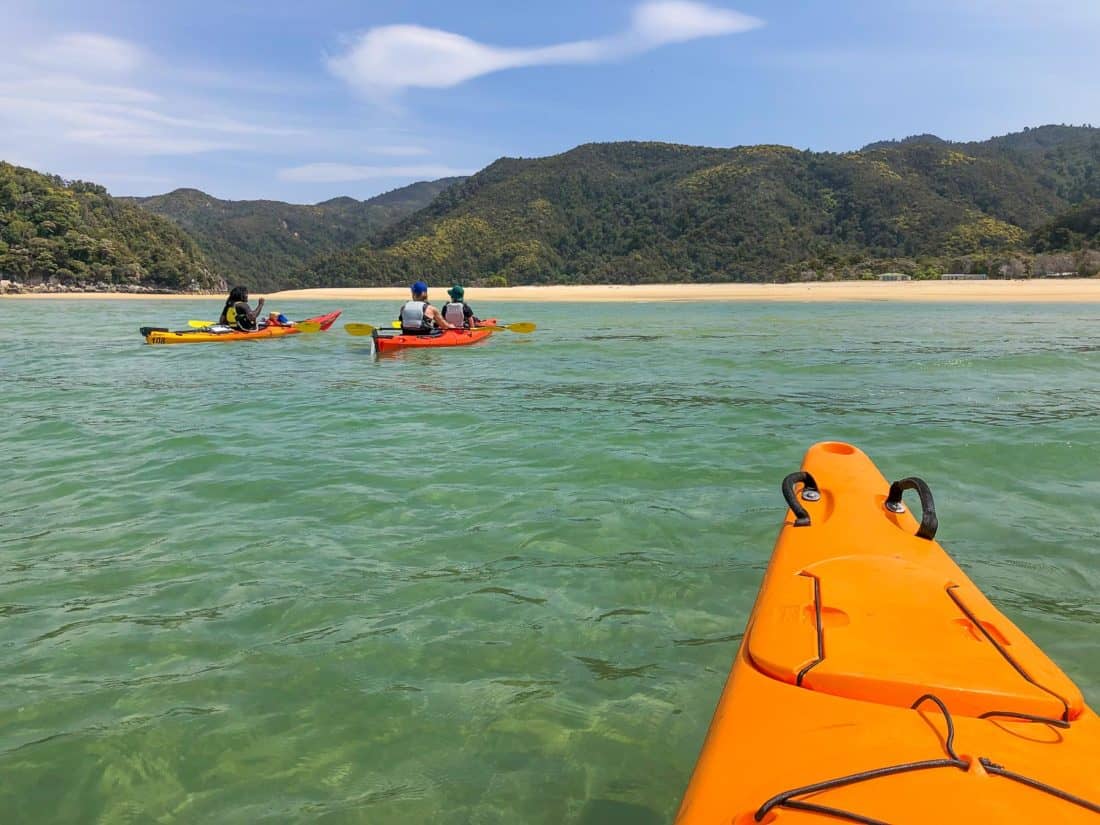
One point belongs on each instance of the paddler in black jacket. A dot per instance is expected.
(458, 313)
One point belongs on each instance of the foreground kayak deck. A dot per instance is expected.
(386, 342)
(876, 684)
(205, 336)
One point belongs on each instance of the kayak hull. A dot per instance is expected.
(857, 620)
(384, 342)
(199, 336)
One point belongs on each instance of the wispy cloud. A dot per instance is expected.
(346, 173)
(91, 91)
(388, 59)
(96, 53)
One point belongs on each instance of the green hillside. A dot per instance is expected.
(642, 212)
(263, 243)
(1075, 229)
(1020, 204)
(73, 233)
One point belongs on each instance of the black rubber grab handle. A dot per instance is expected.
(929, 524)
(801, 517)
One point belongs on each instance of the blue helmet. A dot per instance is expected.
(419, 288)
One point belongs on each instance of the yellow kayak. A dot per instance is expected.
(159, 335)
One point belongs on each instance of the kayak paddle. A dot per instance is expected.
(302, 326)
(358, 329)
(523, 327)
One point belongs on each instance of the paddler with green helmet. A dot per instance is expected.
(457, 312)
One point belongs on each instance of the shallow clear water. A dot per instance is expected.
(282, 581)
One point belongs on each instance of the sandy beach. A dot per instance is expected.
(1076, 290)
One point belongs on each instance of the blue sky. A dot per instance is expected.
(303, 101)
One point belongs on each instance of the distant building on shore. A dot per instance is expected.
(962, 276)
(895, 276)
(1060, 275)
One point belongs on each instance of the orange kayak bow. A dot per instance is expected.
(876, 684)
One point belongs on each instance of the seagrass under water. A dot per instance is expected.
(282, 581)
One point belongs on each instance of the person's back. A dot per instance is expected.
(414, 318)
(237, 316)
(458, 313)
(454, 314)
(417, 316)
(237, 313)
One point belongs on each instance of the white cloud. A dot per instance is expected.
(93, 53)
(90, 91)
(344, 173)
(388, 59)
(676, 21)
(71, 87)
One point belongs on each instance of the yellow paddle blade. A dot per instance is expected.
(358, 329)
(523, 327)
(307, 326)
(200, 324)
(395, 324)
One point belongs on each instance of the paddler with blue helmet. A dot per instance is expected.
(417, 316)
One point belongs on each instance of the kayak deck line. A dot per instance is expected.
(861, 624)
(953, 760)
(951, 591)
(1066, 713)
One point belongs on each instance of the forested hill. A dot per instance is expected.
(73, 233)
(641, 212)
(263, 243)
(1077, 228)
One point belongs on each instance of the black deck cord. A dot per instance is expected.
(1058, 723)
(1004, 653)
(836, 813)
(801, 517)
(949, 742)
(785, 799)
(782, 800)
(820, 632)
(929, 524)
(998, 770)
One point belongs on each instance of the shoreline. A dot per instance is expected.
(1039, 290)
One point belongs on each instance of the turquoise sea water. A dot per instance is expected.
(284, 582)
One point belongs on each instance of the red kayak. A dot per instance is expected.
(385, 342)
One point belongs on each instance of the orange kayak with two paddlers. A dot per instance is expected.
(385, 341)
(876, 684)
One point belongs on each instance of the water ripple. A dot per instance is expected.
(287, 582)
